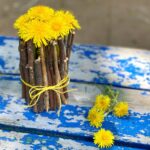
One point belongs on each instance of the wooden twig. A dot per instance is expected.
(30, 51)
(45, 79)
(57, 75)
(26, 68)
(22, 73)
(62, 54)
(50, 73)
(63, 62)
(30, 48)
(69, 45)
(52, 70)
(23, 62)
(65, 40)
(39, 81)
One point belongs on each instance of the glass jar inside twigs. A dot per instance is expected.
(45, 42)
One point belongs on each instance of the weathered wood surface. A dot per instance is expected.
(121, 67)
(10, 140)
(92, 63)
(133, 129)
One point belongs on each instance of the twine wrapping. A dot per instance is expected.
(36, 91)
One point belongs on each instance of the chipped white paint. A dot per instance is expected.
(10, 140)
(74, 144)
(138, 137)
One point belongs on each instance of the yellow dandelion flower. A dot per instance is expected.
(37, 31)
(102, 102)
(95, 117)
(21, 21)
(121, 109)
(69, 19)
(104, 138)
(42, 13)
(58, 27)
(42, 24)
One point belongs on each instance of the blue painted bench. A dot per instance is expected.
(91, 66)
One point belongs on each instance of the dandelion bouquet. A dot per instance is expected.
(45, 42)
(106, 103)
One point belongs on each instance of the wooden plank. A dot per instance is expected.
(92, 63)
(9, 55)
(133, 129)
(83, 96)
(11, 140)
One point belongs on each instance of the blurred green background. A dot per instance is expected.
(111, 22)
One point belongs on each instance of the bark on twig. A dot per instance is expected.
(23, 62)
(63, 62)
(30, 51)
(71, 43)
(39, 81)
(60, 97)
(57, 76)
(50, 73)
(26, 68)
(45, 79)
(69, 46)
(62, 57)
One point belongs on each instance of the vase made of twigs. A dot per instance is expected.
(45, 42)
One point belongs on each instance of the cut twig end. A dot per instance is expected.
(73, 32)
(54, 43)
(66, 59)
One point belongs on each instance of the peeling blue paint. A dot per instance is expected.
(114, 65)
